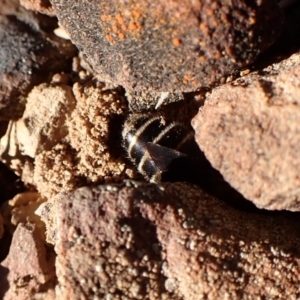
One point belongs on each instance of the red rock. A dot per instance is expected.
(171, 241)
(249, 131)
(30, 268)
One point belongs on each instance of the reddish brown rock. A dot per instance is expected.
(35, 55)
(30, 266)
(249, 131)
(171, 241)
(166, 46)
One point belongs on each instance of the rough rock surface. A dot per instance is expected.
(68, 136)
(41, 6)
(249, 131)
(139, 101)
(166, 46)
(91, 152)
(30, 265)
(36, 54)
(21, 209)
(43, 123)
(172, 241)
(9, 7)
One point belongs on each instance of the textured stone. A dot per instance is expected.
(9, 7)
(68, 136)
(249, 131)
(171, 241)
(43, 123)
(30, 265)
(41, 6)
(28, 55)
(91, 151)
(21, 209)
(139, 101)
(169, 46)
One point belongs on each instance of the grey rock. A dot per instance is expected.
(169, 46)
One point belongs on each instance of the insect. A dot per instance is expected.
(159, 148)
(164, 150)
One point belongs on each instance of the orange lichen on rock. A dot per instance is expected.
(118, 25)
(176, 42)
(142, 38)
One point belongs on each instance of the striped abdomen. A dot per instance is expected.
(149, 140)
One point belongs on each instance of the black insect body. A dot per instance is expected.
(167, 151)
(158, 148)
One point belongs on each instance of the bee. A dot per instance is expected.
(158, 147)
(165, 150)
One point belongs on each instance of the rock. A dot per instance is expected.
(43, 123)
(172, 241)
(139, 101)
(42, 126)
(91, 152)
(249, 131)
(9, 7)
(21, 209)
(94, 129)
(36, 53)
(67, 136)
(30, 266)
(5, 243)
(41, 6)
(176, 46)
(55, 170)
